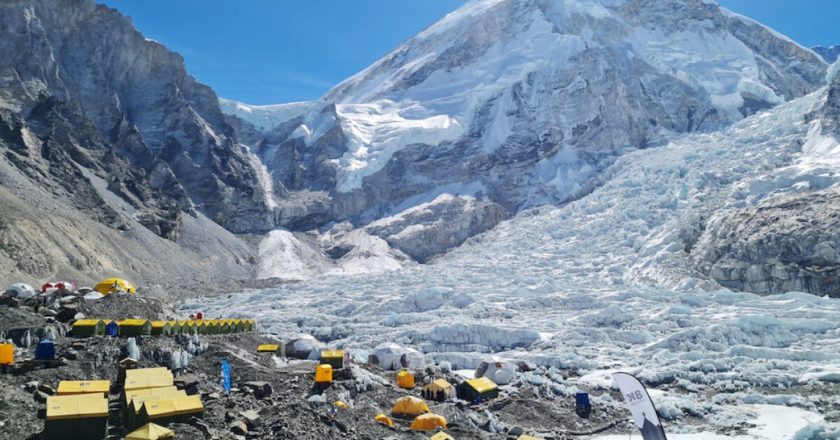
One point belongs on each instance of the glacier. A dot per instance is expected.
(605, 283)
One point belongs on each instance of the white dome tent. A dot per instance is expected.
(302, 347)
(391, 356)
(502, 373)
(21, 290)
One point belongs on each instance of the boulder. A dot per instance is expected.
(259, 388)
(239, 428)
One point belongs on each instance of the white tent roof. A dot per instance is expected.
(391, 356)
(21, 290)
(500, 372)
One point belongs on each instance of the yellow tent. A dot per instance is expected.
(7, 354)
(527, 437)
(83, 416)
(384, 420)
(340, 404)
(405, 379)
(323, 373)
(333, 357)
(170, 410)
(441, 436)
(161, 328)
(130, 397)
(151, 431)
(410, 406)
(439, 390)
(268, 348)
(88, 327)
(114, 285)
(132, 411)
(70, 387)
(147, 378)
(428, 422)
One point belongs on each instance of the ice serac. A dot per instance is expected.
(528, 99)
(138, 96)
(788, 241)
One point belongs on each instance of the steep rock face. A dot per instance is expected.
(138, 96)
(788, 243)
(522, 101)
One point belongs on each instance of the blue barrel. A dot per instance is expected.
(45, 351)
(582, 399)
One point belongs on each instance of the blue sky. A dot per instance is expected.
(267, 51)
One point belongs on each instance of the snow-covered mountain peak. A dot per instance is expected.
(527, 99)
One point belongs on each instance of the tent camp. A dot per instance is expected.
(440, 390)
(20, 290)
(499, 372)
(409, 406)
(134, 327)
(151, 431)
(83, 415)
(477, 390)
(303, 347)
(170, 410)
(88, 327)
(428, 422)
(72, 387)
(114, 285)
(391, 356)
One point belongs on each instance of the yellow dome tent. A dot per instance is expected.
(441, 436)
(114, 285)
(151, 432)
(410, 406)
(405, 379)
(428, 422)
(384, 420)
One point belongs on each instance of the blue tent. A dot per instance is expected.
(583, 407)
(45, 350)
(582, 399)
(112, 329)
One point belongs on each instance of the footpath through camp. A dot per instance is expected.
(107, 363)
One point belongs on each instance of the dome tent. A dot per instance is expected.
(409, 406)
(501, 373)
(428, 422)
(114, 285)
(302, 347)
(20, 290)
(391, 356)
